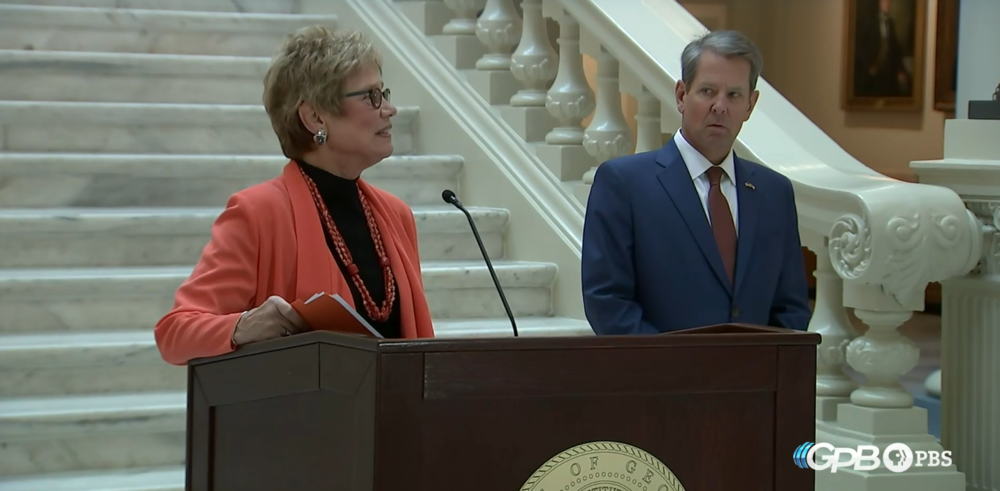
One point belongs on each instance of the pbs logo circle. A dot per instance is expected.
(897, 457)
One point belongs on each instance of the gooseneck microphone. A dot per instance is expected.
(449, 197)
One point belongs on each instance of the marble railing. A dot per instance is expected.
(879, 242)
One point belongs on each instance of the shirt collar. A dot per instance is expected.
(697, 164)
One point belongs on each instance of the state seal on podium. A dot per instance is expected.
(603, 466)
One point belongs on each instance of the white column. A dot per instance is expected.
(570, 99)
(978, 59)
(499, 28)
(970, 310)
(970, 356)
(534, 62)
(609, 135)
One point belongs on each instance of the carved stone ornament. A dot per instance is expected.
(916, 243)
(850, 246)
(988, 212)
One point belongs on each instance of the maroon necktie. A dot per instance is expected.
(722, 221)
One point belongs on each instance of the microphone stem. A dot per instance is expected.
(489, 264)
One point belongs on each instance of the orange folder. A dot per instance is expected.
(331, 313)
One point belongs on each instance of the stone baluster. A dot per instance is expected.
(570, 99)
(830, 320)
(650, 132)
(881, 410)
(534, 62)
(886, 257)
(499, 29)
(464, 21)
(883, 355)
(609, 135)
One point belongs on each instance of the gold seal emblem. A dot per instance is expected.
(603, 466)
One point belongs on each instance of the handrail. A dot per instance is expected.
(883, 232)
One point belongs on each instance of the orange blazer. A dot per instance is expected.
(269, 241)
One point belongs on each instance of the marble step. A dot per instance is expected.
(429, 17)
(60, 28)
(122, 237)
(33, 126)
(99, 299)
(258, 6)
(135, 479)
(64, 363)
(141, 429)
(42, 180)
(79, 76)
(67, 363)
(91, 432)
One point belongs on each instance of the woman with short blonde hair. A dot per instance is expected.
(318, 227)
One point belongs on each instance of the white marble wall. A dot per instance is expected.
(978, 61)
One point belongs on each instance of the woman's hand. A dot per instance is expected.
(273, 319)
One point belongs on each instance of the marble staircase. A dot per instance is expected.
(122, 133)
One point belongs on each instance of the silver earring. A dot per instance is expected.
(320, 137)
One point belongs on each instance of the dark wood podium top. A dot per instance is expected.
(721, 335)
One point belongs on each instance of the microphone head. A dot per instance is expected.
(448, 196)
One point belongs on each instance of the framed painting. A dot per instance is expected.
(946, 56)
(884, 55)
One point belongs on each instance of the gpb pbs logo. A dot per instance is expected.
(898, 457)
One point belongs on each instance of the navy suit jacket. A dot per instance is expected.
(650, 263)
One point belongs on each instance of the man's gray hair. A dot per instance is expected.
(729, 44)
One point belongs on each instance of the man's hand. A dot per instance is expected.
(273, 319)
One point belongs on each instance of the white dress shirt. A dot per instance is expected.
(698, 167)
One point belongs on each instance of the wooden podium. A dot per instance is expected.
(722, 407)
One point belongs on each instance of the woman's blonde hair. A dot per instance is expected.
(312, 66)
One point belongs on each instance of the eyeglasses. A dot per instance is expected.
(376, 96)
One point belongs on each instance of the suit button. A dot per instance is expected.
(736, 312)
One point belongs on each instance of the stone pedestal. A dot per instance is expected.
(909, 426)
(970, 372)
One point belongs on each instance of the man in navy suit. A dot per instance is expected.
(691, 235)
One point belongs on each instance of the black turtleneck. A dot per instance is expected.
(341, 198)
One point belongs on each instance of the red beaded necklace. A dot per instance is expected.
(379, 314)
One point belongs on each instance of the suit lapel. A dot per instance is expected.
(749, 204)
(676, 180)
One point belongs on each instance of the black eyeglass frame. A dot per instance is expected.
(375, 95)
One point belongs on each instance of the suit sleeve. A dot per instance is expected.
(791, 301)
(607, 265)
(221, 286)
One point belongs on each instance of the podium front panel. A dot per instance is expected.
(484, 420)
(287, 421)
(717, 411)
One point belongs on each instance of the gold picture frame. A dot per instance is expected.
(884, 55)
(946, 56)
